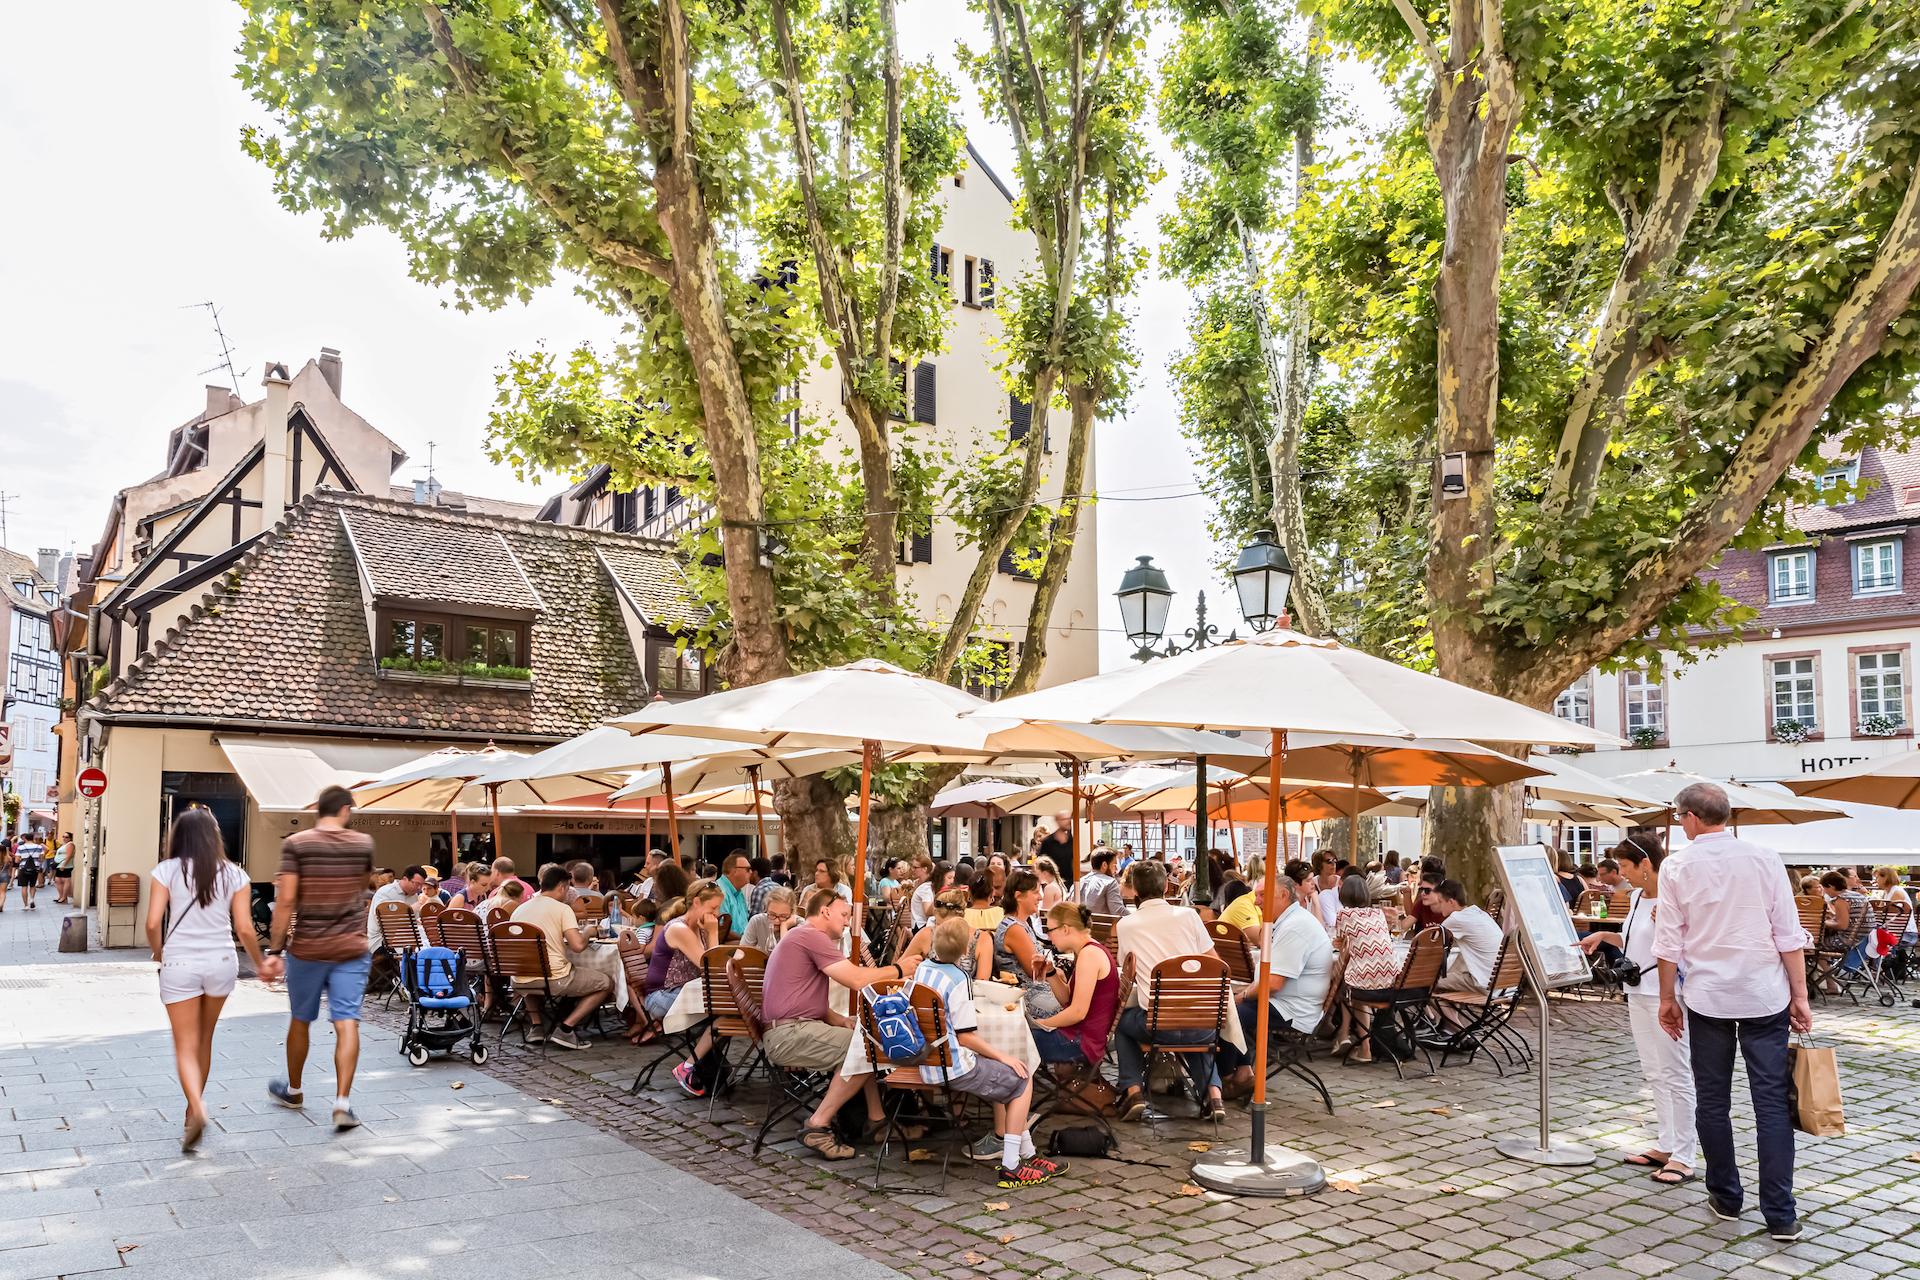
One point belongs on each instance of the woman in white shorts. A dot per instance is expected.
(199, 904)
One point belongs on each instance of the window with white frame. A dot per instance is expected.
(1876, 567)
(1579, 840)
(1646, 703)
(1881, 683)
(1791, 576)
(1840, 471)
(1793, 698)
(1576, 704)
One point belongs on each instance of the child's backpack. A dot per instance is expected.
(897, 1027)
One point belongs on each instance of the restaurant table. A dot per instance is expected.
(1600, 922)
(603, 956)
(1001, 1011)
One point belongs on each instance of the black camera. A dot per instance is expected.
(1624, 971)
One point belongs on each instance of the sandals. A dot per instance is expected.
(1673, 1175)
(190, 1137)
(1646, 1160)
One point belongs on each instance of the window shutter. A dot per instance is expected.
(933, 263)
(1020, 416)
(986, 282)
(1006, 562)
(923, 546)
(923, 391)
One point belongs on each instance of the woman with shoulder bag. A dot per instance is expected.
(1667, 1063)
(198, 904)
(1075, 1039)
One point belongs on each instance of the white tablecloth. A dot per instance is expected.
(605, 958)
(1003, 1027)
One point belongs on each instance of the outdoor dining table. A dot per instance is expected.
(1600, 922)
(1001, 1020)
(603, 956)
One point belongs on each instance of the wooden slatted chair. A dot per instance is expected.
(461, 930)
(520, 954)
(123, 890)
(497, 915)
(1185, 994)
(1104, 929)
(795, 1088)
(1411, 992)
(1230, 944)
(430, 920)
(590, 909)
(1827, 961)
(401, 935)
(725, 1019)
(1482, 1020)
(904, 1082)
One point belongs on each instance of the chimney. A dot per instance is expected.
(330, 369)
(48, 562)
(274, 467)
(219, 401)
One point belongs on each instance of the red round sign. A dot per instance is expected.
(91, 783)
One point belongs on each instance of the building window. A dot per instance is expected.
(416, 639)
(495, 645)
(1843, 471)
(967, 283)
(1793, 692)
(1791, 577)
(1646, 711)
(1579, 840)
(676, 670)
(1880, 682)
(1576, 704)
(1876, 567)
(425, 638)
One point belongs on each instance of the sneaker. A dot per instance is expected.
(1721, 1209)
(1052, 1168)
(535, 1034)
(568, 1038)
(822, 1143)
(684, 1074)
(986, 1147)
(278, 1091)
(1786, 1232)
(344, 1119)
(1028, 1174)
(1133, 1104)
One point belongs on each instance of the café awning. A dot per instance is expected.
(281, 778)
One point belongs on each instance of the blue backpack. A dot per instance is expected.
(898, 1027)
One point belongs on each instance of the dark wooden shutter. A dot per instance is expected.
(986, 282)
(1020, 418)
(922, 552)
(923, 391)
(626, 512)
(1006, 562)
(933, 263)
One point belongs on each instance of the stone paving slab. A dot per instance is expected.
(484, 1178)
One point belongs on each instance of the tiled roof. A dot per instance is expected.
(654, 583)
(285, 637)
(470, 504)
(410, 558)
(1896, 497)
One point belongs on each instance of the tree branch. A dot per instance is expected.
(1418, 25)
(895, 231)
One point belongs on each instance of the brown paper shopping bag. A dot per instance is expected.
(1814, 1093)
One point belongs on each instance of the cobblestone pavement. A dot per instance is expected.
(454, 1170)
(1421, 1191)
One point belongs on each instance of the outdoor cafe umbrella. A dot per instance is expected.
(1280, 682)
(1891, 780)
(736, 769)
(437, 781)
(1754, 806)
(976, 800)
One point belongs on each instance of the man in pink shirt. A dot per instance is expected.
(1728, 938)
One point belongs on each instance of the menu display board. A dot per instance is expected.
(1546, 926)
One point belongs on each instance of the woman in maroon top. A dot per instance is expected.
(1077, 1035)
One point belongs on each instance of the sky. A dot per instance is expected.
(134, 205)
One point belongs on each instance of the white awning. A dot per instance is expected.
(281, 778)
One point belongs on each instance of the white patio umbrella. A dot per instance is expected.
(734, 770)
(436, 781)
(1281, 682)
(1755, 806)
(1890, 780)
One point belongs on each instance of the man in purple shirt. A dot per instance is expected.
(1727, 925)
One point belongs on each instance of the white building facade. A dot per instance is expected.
(31, 694)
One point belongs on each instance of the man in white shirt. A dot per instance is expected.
(1727, 924)
(1476, 937)
(1301, 968)
(1159, 930)
(404, 889)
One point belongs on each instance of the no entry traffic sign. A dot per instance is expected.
(91, 783)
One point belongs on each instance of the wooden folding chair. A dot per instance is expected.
(794, 1088)
(1104, 929)
(590, 909)
(123, 890)
(1894, 917)
(1185, 994)
(930, 1011)
(401, 935)
(520, 955)
(1484, 1019)
(461, 930)
(725, 1019)
(497, 915)
(430, 920)
(1230, 944)
(1827, 962)
(1411, 992)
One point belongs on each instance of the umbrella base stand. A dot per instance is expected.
(1527, 1147)
(1280, 1171)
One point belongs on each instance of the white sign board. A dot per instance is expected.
(1546, 926)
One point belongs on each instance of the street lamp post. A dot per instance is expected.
(1262, 575)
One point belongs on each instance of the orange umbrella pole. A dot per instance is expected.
(1353, 826)
(1233, 839)
(499, 845)
(866, 804)
(1074, 847)
(673, 816)
(1276, 821)
(453, 825)
(759, 821)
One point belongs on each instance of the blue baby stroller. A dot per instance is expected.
(440, 1012)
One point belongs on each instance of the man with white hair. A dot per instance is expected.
(1727, 922)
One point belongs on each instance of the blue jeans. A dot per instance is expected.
(1232, 1059)
(344, 981)
(1132, 1028)
(1763, 1043)
(1057, 1046)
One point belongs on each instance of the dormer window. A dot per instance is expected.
(1843, 471)
(24, 588)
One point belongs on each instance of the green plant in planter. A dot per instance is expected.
(1794, 731)
(1880, 726)
(1644, 736)
(483, 671)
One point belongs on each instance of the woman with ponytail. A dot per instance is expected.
(685, 928)
(199, 903)
(1089, 992)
